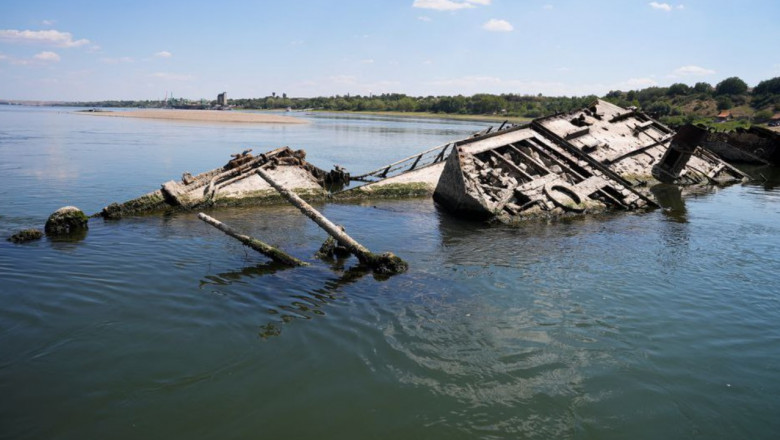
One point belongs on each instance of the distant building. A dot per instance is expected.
(724, 116)
(222, 99)
(775, 120)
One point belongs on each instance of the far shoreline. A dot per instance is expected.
(425, 115)
(219, 116)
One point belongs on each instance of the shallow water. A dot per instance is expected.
(645, 325)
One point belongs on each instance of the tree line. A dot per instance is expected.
(678, 103)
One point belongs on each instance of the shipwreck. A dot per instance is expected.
(755, 145)
(603, 157)
(235, 183)
(598, 158)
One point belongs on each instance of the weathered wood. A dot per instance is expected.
(386, 263)
(265, 249)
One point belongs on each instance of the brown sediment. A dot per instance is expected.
(201, 116)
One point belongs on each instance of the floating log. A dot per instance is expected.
(385, 263)
(265, 249)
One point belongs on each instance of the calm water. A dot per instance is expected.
(655, 325)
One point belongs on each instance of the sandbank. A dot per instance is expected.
(200, 115)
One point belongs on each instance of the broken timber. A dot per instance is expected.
(265, 249)
(386, 263)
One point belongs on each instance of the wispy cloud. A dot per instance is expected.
(449, 5)
(424, 18)
(496, 25)
(48, 22)
(367, 61)
(548, 7)
(41, 58)
(163, 54)
(47, 56)
(119, 60)
(48, 38)
(692, 71)
(172, 76)
(490, 84)
(636, 83)
(665, 6)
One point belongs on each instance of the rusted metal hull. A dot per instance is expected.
(599, 158)
(755, 145)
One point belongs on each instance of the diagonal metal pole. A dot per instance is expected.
(386, 263)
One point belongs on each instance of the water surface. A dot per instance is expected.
(644, 325)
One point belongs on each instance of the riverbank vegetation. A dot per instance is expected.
(732, 99)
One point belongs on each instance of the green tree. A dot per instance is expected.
(678, 89)
(762, 116)
(768, 87)
(703, 88)
(725, 103)
(731, 86)
(406, 104)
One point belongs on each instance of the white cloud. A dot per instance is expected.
(428, 62)
(693, 71)
(636, 83)
(163, 54)
(495, 25)
(368, 61)
(48, 22)
(343, 84)
(424, 18)
(469, 85)
(343, 79)
(548, 7)
(120, 60)
(665, 6)
(661, 6)
(449, 5)
(50, 37)
(171, 76)
(47, 57)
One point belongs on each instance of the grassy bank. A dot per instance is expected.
(478, 118)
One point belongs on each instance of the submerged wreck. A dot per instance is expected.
(602, 157)
(599, 158)
(755, 145)
(235, 183)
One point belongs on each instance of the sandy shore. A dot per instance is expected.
(200, 115)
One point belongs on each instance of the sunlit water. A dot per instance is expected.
(656, 325)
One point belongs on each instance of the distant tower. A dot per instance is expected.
(222, 99)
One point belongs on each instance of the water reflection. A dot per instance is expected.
(670, 199)
(290, 306)
(309, 303)
(766, 176)
(227, 278)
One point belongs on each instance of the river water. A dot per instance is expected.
(663, 324)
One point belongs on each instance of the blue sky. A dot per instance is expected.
(95, 50)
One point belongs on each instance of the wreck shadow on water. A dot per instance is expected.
(288, 307)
